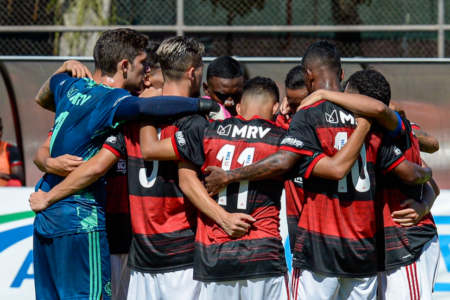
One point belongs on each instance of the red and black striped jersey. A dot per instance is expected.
(117, 209)
(336, 231)
(398, 245)
(230, 144)
(294, 194)
(163, 220)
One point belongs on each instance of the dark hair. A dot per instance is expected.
(324, 52)
(177, 54)
(115, 45)
(371, 83)
(260, 85)
(225, 67)
(152, 56)
(294, 79)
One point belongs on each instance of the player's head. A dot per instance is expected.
(121, 53)
(260, 97)
(295, 88)
(370, 83)
(322, 61)
(181, 61)
(224, 82)
(154, 75)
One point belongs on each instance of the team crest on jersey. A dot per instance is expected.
(111, 139)
(224, 130)
(290, 141)
(331, 118)
(180, 138)
(71, 92)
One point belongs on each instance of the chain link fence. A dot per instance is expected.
(366, 28)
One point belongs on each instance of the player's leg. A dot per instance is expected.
(311, 285)
(357, 288)
(83, 266)
(164, 286)
(120, 276)
(266, 289)
(417, 279)
(43, 276)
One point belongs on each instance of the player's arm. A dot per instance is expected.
(427, 143)
(412, 174)
(271, 166)
(338, 166)
(151, 147)
(235, 225)
(414, 211)
(45, 96)
(61, 165)
(83, 176)
(162, 107)
(358, 104)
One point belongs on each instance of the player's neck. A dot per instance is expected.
(97, 76)
(115, 81)
(176, 88)
(329, 84)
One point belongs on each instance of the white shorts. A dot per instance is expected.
(268, 288)
(311, 285)
(177, 285)
(412, 282)
(120, 276)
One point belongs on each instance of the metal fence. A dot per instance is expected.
(367, 28)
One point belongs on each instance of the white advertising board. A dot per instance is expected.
(16, 244)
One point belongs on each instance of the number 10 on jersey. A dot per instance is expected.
(226, 155)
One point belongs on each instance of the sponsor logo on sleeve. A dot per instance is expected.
(62, 82)
(290, 141)
(180, 138)
(397, 151)
(298, 180)
(331, 118)
(224, 131)
(111, 139)
(121, 166)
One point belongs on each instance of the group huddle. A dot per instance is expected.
(153, 192)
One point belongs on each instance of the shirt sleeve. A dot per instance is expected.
(15, 158)
(116, 143)
(188, 144)
(301, 137)
(60, 84)
(415, 126)
(389, 156)
(189, 122)
(156, 108)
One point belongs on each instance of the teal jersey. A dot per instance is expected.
(84, 119)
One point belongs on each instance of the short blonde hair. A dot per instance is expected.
(178, 54)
